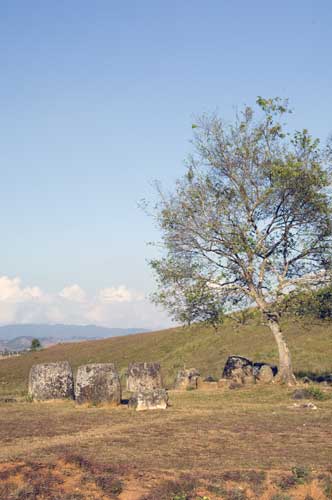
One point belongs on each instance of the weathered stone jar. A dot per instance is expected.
(187, 379)
(51, 381)
(156, 399)
(144, 376)
(97, 384)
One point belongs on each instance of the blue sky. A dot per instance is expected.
(97, 100)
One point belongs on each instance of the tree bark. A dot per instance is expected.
(285, 372)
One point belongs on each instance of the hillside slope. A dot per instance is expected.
(201, 347)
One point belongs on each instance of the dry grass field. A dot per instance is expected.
(227, 444)
(247, 443)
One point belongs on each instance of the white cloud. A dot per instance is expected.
(73, 293)
(119, 294)
(12, 291)
(111, 306)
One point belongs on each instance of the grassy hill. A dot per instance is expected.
(310, 342)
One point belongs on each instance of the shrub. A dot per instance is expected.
(317, 393)
(281, 496)
(301, 474)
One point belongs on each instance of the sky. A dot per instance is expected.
(97, 101)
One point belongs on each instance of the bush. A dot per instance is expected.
(316, 393)
(317, 304)
(301, 474)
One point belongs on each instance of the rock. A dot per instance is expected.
(259, 365)
(144, 376)
(223, 382)
(235, 362)
(156, 399)
(239, 370)
(235, 385)
(308, 405)
(8, 400)
(209, 378)
(302, 394)
(187, 379)
(51, 381)
(306, 380)
(204, 385)
(98, 383)
(264, 375)
(327, 379)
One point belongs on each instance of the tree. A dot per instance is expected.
(249, 221)
(35, 345)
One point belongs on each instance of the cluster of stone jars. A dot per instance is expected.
(98, 383)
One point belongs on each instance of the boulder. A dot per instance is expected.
(98, 383)
(187, 379)
(235, 363)
(325, 379)
(156, 399)
(264, 375)
(239, 370)
(258, 366)
(51, 381)
(302, 394)
(144, 377)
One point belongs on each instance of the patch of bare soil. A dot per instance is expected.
(75, 478)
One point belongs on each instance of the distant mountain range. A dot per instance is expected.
(18, 337)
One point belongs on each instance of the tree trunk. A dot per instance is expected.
(285, 373)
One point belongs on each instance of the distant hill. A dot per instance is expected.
(16, 344)
(24, 342)
(310, 342)
(18, 337)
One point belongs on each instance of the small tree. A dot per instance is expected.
(250, 220)
(35, 345)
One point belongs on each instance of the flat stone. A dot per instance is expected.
(98, 383)
(223, 382)
(309, 405)
(302, 394)
(156, 399)
(144, 376)
(51, 381)
(206, 385)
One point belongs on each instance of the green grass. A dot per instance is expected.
(310, 343)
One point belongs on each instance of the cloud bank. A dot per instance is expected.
(111, 306)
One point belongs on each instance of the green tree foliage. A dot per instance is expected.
(35, 345)
(315, 303)
(248, 222)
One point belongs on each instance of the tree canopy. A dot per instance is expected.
(249, 221)
(35, 345)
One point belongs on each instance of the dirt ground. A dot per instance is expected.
(250, 443)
